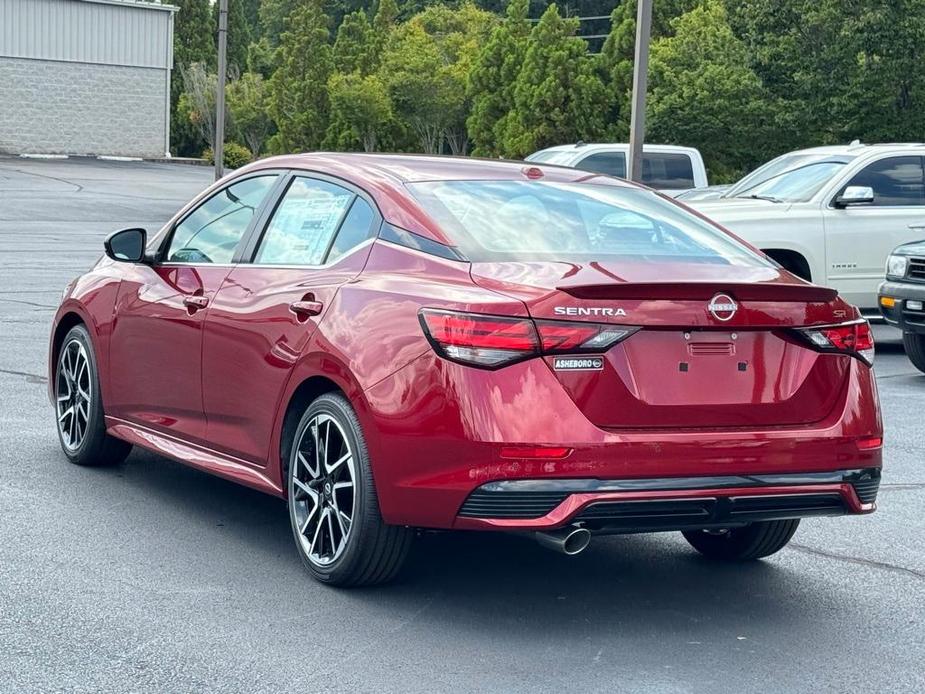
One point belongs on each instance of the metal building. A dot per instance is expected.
(85, 77)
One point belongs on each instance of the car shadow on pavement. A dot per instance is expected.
(495, 581)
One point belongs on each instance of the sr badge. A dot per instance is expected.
(578, 363)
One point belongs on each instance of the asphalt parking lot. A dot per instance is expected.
(155, 577)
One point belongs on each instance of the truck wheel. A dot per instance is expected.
(915, 349)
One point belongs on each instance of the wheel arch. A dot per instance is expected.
(67, 320)
(315, 375)
(305, 393)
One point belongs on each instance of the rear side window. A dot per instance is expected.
(667, 171)
(536, 220)
(211, 232)
(357, 227)
(896, 181)
(609, 163)
(304, 223)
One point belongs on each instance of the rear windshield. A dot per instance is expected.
(535, 220)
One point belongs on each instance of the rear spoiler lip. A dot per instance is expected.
(703, 291)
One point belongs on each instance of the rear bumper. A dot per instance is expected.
(471, 415)
(900, 315)
(651, 505)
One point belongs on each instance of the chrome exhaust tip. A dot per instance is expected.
(571, 540)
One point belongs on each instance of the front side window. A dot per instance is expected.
(304, 223)
(609, 163)
(211, 232)
(896, 181)
(535, 220)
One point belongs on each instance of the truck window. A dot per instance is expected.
(667, 171)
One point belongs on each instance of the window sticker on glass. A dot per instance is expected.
(304, 223)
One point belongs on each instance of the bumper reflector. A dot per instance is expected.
(868, 444)
(536, 452)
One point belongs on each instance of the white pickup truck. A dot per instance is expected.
(668, 168)
(835, 217)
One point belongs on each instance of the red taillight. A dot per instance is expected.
(854, 338)
(494, 341)
(559, 337)
(471, 338)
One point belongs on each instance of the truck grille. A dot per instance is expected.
(916, 269)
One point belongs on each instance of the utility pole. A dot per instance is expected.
(640, 84)
(219, 150)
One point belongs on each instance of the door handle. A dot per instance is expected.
(195, 302)
(917, 226)
(306, 308)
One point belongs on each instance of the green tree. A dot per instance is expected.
(298, 102)
(424, 95)
(239, 35)
(558, 95)
(361, 111)
(247, 104)
(261, 57)
(838, 70)
(491, 80)
(353, 44)
(458, 35)
(192, 43)
(702, 93)
(273, 15)
(618, 53)
(384, 22)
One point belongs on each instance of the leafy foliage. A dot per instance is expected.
(246, 100)
(704, 94)
(491, 80)
(558, 94)
(298, 100)
(361, 112)
(743, 80)
(234, 156)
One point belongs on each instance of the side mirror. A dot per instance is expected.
(855, 195)
(126, 245)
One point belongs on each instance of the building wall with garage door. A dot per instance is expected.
(85, 77)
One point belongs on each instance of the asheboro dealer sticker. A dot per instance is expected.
(578, 363)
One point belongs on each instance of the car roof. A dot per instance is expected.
(858, 148)
(615, 146)
(383, 176)
(411, 168)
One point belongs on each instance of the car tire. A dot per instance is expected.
(754, 541)
(333, 507)
(915, 349)
(79, 412)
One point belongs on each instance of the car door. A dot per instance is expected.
(264, 315)
(156, 344)
(859, 237)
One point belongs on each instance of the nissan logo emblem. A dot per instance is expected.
(722, 307)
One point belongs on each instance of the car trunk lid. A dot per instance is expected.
(709, 353)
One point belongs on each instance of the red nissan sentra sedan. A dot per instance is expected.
(400, 342)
